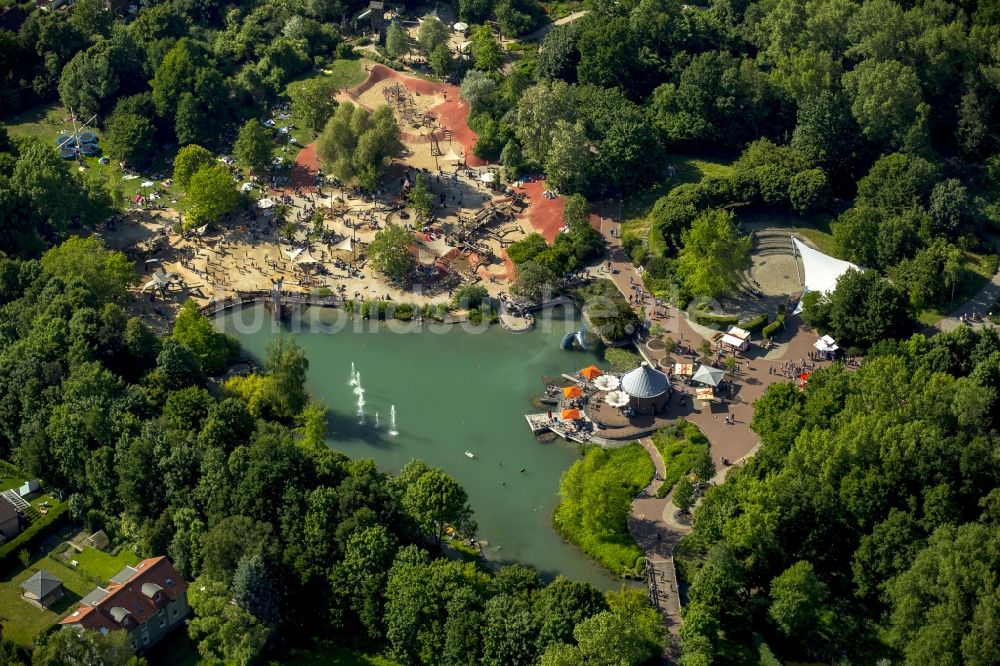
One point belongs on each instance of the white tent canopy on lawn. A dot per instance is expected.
(821, 271)
(345, 245)
(293, 254)
(452, 156)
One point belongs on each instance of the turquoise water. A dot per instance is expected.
(455, 389)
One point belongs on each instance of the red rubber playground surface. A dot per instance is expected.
(451, 114)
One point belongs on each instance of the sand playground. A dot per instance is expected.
(464, 243)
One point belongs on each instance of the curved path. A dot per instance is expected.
(646, 524)
(979, 304)
(651, 520)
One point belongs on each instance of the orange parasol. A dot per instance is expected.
(573, 391)
(590, 372)
(570, 414)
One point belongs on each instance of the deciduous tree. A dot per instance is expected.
(390, 252)
(713, 254)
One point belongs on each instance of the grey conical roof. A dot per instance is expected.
(644, 382)
(41, 584)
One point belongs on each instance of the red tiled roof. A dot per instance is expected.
(129, 595)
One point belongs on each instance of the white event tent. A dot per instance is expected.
(821, 271)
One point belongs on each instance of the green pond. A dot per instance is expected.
(455, 389)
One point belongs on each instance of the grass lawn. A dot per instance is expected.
(45, 122)
(558, 9)
(101, 565)
(8, 482)
(22, 621)
(635, 209)
(680, 446)
(343, 74)
(595, 496)
(979, 269)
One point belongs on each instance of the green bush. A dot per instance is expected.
(403, 312)
(621, 360)
(469, 296)
(684, 448)
(35, 532)
(595, 496)
(774, 326)
(715, 320)
(754, 325)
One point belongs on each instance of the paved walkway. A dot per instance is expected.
(539, 34)
(979, 304)
(646, 525)
(651, 520)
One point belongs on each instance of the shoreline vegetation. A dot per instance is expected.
(595, 495)
(129, 431)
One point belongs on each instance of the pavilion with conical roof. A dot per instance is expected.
(648, 389)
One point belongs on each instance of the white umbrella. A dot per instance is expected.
(461, 27)
(606, 382)
(617, 398)
(294, 254)
(345, 245)
(265, 203)
(488, 177)
(708, 375)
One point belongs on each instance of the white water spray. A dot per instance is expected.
(354, 376)
(360, 392)
(376, 420)
(392, 421)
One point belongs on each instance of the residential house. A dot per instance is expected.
(10, 520)
(148, 600)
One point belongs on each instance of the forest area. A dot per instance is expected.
(866, 528)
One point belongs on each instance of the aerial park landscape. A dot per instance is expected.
(522, 332)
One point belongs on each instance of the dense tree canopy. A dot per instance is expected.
(826, 560)
(356, 144)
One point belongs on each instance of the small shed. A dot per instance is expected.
(98, 540)
(737, 338)
(42, 589)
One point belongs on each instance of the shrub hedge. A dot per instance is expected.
(709, 319)
(35, 532)
(774, 326)
(754, 325)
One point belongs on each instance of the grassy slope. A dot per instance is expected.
(979, 269)
(679, 450)
(103, 566)
(22, 621)
(45, 122)
(630, 467)
(343, 73)
(636, 209)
